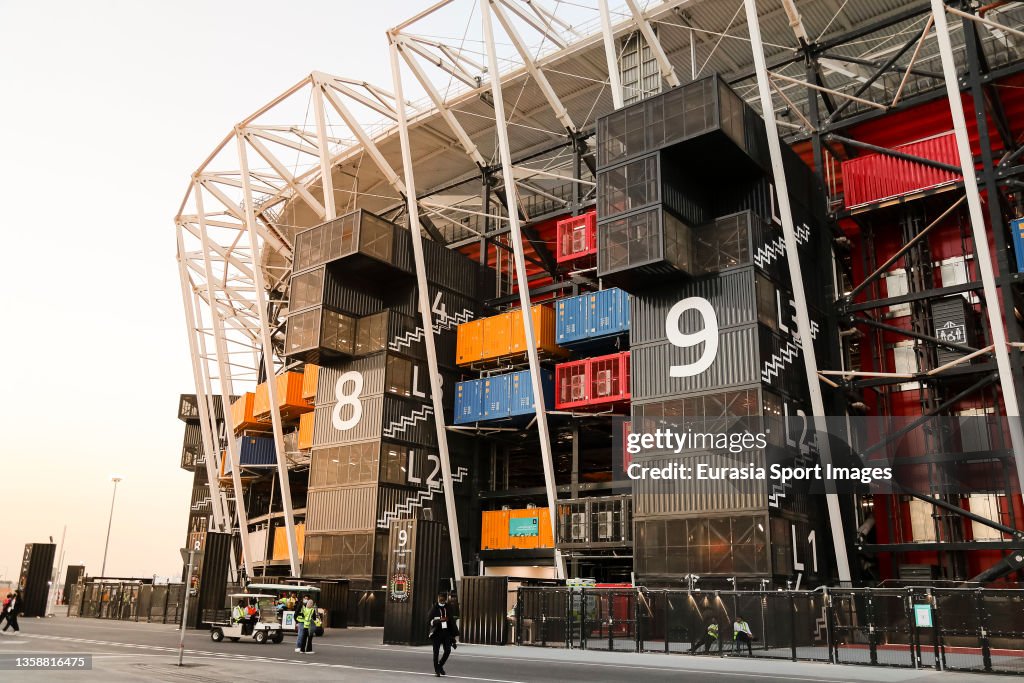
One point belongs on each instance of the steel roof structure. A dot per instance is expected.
(330, 144)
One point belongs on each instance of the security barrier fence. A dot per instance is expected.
(956, 629)
(129, 601)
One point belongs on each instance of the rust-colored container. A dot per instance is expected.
(310, 375)
(512, 529)
(469, 346)
(281, 541)
(242, 415)
(289, 397)
(497, 342)
(306, 431)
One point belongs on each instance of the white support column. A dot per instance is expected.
(268, 359)
(803, 319)
(211, 412)
(668, 72)
(197, 375)
(426, 316)
(326, 180)
(435, 97)
(979, 231)
(226, 385)
(559, 110)
(610, 53)
(521, 279)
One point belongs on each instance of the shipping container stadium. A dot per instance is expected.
(679, 196)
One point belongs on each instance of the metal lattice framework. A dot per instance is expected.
(503, 116)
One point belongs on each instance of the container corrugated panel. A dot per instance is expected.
(408, 422)
(305, 440)
(350, 298)
(289, 396)
(36, 573)
(694, 497)
(469, 401)
(731, 294)
(593, 382)
(342, 509)
(607, 312)
(484, 602)
(495, 526)
(452, 269)
(781, 362)
(875, 177)
(425, 559)
(405, 336)
(281, 541)
(952, 321)
(543, 330)
(193, 436)
(368, 427)
(543, 539)
(497, 336)
(404, 502)
(571, 319)
(309, 381)
(256, 451)
(258, 544)
(497, 394)
(734, 365)
(470, 342)
(371, 369)
(242, 416)
(521, 392)
(213, 574)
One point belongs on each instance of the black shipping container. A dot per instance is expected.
(454, 271)
(36, 573)
(389, 417)
(483, 601)
(214, 567)
(188, 408)
(72, 574)
(418, 559)
(366, 243)
(334, 601)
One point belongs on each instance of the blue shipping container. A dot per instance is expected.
(496, 397)
(469, 401)
(593, 316)
(571, 319)
(521, 392)
(607, 313)
(1017, 228)
(254, 451)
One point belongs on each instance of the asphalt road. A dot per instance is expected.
(125, 651)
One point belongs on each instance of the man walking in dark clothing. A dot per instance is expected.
(443, 632)
(13, 607)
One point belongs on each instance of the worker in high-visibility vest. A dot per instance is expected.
(741, 634)
(710, 636)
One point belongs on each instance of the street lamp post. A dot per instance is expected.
(110, 522)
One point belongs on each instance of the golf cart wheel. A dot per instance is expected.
(278, 638)
(260, 637)
(216, 635)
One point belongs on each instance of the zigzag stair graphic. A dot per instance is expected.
(772, 250)
(199, 505)
(780, 360)
(446, 323)
(418, 500)
(407, 421)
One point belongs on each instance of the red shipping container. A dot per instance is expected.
(593, 383)
(876, 177)
(577, 237)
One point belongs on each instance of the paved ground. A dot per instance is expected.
(124, 651)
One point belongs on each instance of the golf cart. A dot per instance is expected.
(262, 627)
(286, 617)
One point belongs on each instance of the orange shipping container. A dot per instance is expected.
(495, 528)
(543, 330)
(497, 336)
(469, 342)
(242, 415)
(306, 431)
(281, 541)
(289, 397)
(310, 375)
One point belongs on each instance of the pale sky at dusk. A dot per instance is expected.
(108, 107)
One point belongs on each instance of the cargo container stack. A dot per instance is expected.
(371, 436)
(193, 459)
(713, 341)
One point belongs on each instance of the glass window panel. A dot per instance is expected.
(303, 332)
(371, 334)
(306, 290)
